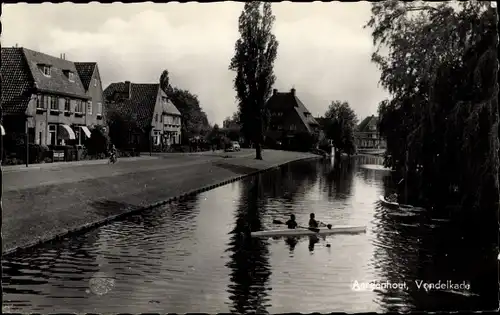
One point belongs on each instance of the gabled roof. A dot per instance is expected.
(16, 81)
(365, 123)
(322, 121)
(22, 76)
(288, 101)
(85, 71)
(58, 81)
(170, 108)
(141, 103)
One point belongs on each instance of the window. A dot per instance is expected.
(67, 105)
(156, 138)
(52, 140)
(293, 127)
(156, 117)
(54, 105)
(40, 102)
(95, 82)
(46, 101)
(79, 106)
(89, 107)
(46, 70)
(161, 118)
(99, 108)
(71, 76)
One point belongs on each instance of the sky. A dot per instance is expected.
(323, 52)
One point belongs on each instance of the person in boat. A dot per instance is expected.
(312, 221)
(292, 224)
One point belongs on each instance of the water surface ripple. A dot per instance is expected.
(195, 256)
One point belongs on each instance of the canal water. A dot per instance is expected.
(192, 256)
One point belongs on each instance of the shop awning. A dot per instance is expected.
(69, 131)
(86, 131)
(2, 130)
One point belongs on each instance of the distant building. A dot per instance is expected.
(157, 117)
(367, 136)
(289, 117)
(49, 96)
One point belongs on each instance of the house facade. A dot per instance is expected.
(289, 118)
(367, 136)
(45, 96)
(157, 118)
(91, 80)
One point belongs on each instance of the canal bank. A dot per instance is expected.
(54, 204)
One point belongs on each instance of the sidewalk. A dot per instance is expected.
(39, 166)
(93, 196)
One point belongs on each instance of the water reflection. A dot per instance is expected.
(249, 258)
(32, 278)
(415, 248)
(196, 256)
(291, 242)
(339, 179)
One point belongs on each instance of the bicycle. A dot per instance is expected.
(112, 159)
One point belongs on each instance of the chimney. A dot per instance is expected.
(127, 89)
(16, 45)
(275, 91)
(292, 91)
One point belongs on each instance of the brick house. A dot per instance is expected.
(46, 95)
(289, 118)
(157, 118)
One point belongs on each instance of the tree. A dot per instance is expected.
(441, 70)
(98, 142)
(194, 119)
(340, 124)
(253, 61)
(165, 82)
(121, 124)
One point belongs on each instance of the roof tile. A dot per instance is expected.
(288, 101)
(85, 71)
(58, 81)
(141, 103)
(16, 81)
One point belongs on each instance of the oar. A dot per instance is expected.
(329, 226)
(315, 230)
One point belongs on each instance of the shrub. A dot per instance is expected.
(98, 142)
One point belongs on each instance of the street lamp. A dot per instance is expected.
(26, 129)
(151, 140)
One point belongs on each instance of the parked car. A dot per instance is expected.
(233, 146)
(236, 146)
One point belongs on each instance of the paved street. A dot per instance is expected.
(22, 177)
(41, 203)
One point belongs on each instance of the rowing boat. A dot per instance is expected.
(338, 229)
(391, 204)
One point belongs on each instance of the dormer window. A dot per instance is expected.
(70, 75)
(46, 70)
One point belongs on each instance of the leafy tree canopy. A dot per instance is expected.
(253, 62)
(340, 124)
(438, 61)
(194, 119)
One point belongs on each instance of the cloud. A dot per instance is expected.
(323, 52)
